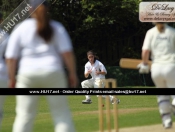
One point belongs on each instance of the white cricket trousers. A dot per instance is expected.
(94, 83)
(3, 84)
(163, 76)
(26, 107)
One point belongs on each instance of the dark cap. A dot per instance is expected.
(36, 3)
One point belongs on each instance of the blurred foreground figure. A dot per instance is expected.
(3, 69)
(160, 41)
(39, 45)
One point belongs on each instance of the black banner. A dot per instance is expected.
(87, 91)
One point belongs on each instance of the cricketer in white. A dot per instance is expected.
(160, 42)
(97, 71)
(41, 45)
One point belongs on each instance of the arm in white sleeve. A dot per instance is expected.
(13, 46)
(103, 69)
(146, 47)
(63, 40)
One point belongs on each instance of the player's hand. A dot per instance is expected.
(97, 72)
(11, 83)
(89, 71)
(143, 68)
(73, 80)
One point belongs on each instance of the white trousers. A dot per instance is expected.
(3, 84)
(94, 83)
(26, 107)
(163, 76)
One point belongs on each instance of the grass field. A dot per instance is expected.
(133, 111)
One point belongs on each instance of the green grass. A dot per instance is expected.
(88, 122)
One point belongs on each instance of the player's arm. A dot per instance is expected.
(11, 66)
(70, 61)
(86, 75)
(146, 48)
(12, 55)
(144, 67)
(103, 70)
(87, 72)
(145, 56)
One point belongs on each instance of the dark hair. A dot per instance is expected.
(154, 23)
(44, 28)
(91, 52)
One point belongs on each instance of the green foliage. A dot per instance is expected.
(8, 6)
(127, 77)
(109, 27)
(101, 25)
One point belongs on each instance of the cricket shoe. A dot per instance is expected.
(167, 123)
(86, 101)
(114, 100)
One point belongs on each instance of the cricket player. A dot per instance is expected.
(42, 46)
(97, 70)
(160, 42)
(3, 68)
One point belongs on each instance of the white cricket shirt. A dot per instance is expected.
(3, 67)
(33, 51)
(161, 45)
(97, 66)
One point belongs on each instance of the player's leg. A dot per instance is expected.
(27, 80)
(165, 110)
(61, 114)
(26, 109)
(59, 104)
(87, 84)
(26, 106)
(163, 101)
(54, 79)
(100, 83)
(169, 73)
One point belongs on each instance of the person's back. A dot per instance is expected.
(35, 52)
(41, 46)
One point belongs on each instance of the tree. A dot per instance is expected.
(110, 27)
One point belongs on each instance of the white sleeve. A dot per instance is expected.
(63, 40)
(147, 41)
(85, 69)
(13, 46)
(102, 67)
